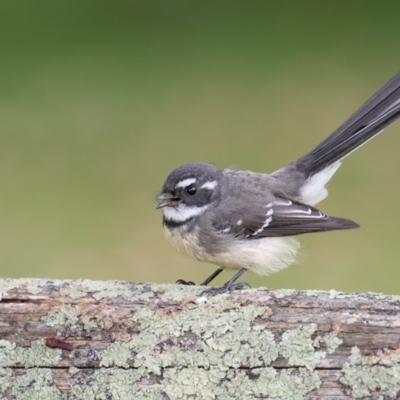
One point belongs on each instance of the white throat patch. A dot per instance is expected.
(182, 212)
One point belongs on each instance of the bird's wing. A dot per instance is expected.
(281, 217)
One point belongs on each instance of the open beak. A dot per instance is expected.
(167, 200)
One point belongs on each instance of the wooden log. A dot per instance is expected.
(117, 340)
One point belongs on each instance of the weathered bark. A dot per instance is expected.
(136, 341)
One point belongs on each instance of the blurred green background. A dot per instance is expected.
(100, 100)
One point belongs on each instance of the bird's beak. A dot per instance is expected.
(167, 200)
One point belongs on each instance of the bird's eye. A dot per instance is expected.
(191, 190)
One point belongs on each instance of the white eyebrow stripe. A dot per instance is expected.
(209, 185)
(185, 183)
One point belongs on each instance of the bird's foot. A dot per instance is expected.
(182, 282)
(228, 287)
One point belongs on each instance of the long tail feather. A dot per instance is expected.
(376, 114)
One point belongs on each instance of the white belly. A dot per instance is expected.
(262, 256)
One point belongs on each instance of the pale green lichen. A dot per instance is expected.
(268, 383)
(236, 337)
(298, 347)
(73, 370)
(68, 316)
(363, 377)
(284, 293)
(115, 384)
(64, 314)
(331, 341)
(5, 380)
(32, 384)
(226, 340)
(193, 383)
(36, 355)
(178, 292)
(116, 355)
(230, 339)
(76, 290)
(35, 384)
(102, 289)
(31, 285)
(334, 294)
(312, 293)
(197, 384)
(90, 322)
(391, 299)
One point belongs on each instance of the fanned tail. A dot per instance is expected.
(382, 109)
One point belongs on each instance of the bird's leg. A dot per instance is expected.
(205, 283)
(230, 285)
(212, 277)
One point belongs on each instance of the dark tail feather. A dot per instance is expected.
(377, 113)
(324, 225)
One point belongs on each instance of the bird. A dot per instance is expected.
(248, 221)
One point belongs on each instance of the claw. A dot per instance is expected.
(229, 286)
(183, 282)
(226, 288)
(241, 286)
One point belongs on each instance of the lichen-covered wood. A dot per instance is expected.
(118, 340)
